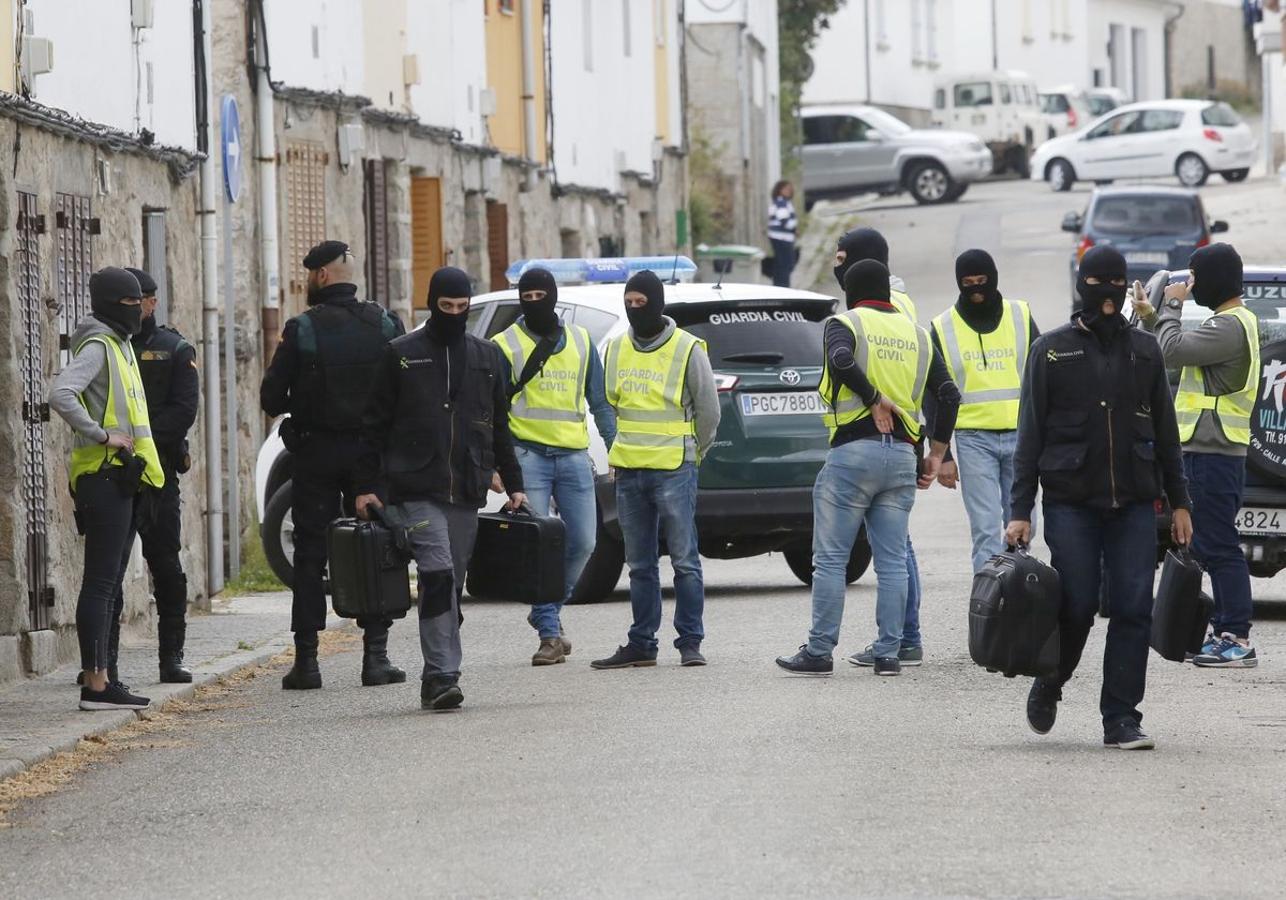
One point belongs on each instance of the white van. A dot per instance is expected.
(1001, 108)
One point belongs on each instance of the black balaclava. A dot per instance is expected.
(860, 244)
(452, 283)
(539, 315)
(980, 305)
(107, 288)
(1104, 263)
(866, 279)
(1216, 275)
(646, 321)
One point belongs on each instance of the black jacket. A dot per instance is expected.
(167, 365)
(436, 424)
(1096, 425)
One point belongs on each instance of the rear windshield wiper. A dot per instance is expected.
(761, 356)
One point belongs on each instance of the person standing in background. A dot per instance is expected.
(782, 224)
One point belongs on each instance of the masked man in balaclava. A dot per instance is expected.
(552, 370)
(321, 373)
(985, 339)
(1216, 398)
(853, 247)
(113, 459)
(435, 430)
(660, 382)
(1097, 432)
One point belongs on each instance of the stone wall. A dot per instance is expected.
(120, 184)
(1203, 26)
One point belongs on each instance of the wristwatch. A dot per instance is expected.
(1174, 303)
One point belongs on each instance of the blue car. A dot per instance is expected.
(1155, 228)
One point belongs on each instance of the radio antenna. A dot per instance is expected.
(674, 273)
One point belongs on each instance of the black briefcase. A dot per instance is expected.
(369, 568)
(1181, 612)
(518, 557)
(1013, 616)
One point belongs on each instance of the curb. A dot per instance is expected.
(19, 758)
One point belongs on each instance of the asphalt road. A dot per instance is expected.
(734, 779)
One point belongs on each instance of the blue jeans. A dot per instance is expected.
(1216, 484)
(986, 463)
(911, 623)
(650, 502)
(875, 480)
(569, 479)
(1124, 541)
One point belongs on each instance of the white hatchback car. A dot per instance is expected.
(1185, 138)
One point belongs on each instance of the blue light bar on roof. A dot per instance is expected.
(607, 270)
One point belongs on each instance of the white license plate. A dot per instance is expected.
(1148, 259)
(782, 403)
(1254, 520)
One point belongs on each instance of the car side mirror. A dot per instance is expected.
(1218, 227)
(1072, 223)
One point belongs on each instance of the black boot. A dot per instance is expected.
(376, 668)
(170, 636)
(304, 674)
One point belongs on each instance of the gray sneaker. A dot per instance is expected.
(691, 656)
(907, 656)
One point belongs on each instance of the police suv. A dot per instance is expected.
(755, 484)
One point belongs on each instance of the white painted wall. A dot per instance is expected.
(453, 72)
(1148, 15)
(317, 44)
(102, 76)
(608, 106)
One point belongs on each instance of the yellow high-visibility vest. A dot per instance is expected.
(1232, 411)
(125, 412)
(988, 368)
(550, 408)
(647, 391)
(902, 300)
(895, 354)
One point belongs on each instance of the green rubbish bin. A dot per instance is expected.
(743, 260)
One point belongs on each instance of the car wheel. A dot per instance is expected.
(1060, 175)
(278, 535)
(1235, 175)
(957, 192)
(800, 559)
(602, 572)
(1020, 163)
(930, 183)
(1192, 170)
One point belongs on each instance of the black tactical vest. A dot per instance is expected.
(157, 354)
(340, 345)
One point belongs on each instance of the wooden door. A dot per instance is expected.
(426, 236)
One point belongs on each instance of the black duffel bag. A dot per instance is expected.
(1013, 616)
(1181, 612)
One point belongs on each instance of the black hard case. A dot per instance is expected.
(1180, 612)
(1013, 616)
(518, 557)
(369, 572)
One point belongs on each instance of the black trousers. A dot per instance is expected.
(106, 516)
(322, 489)
(162, 540)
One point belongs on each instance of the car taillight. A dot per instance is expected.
(724, 382)
(1071, 118)
(1205, 240)
(1086, 243)
(1211, 135)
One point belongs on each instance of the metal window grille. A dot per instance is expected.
(73, 263)
(376, 232)
(35, 412)
(305, 210)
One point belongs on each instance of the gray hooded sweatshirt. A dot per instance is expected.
(85, 376)
(700, 397)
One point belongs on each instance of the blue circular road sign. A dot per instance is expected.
(230, 138)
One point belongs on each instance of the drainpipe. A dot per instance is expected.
(210, 318)
(265, 125)
(1171, 23)
(527, 16)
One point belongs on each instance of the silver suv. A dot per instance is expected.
(855, 148)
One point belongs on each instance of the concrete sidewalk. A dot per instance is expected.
(39, 716)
